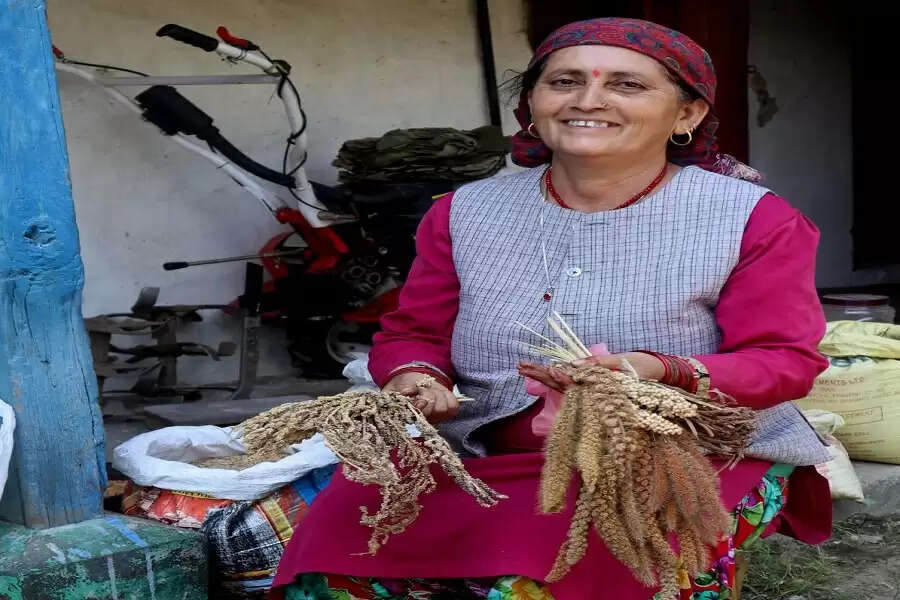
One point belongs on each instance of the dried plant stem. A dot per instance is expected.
(367, 431)
(642, 475)
(559, 464)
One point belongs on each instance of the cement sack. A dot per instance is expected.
(839, 470)
(862, 385)
(162, 459)
(7, 426)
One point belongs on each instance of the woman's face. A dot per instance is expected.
(602, 101)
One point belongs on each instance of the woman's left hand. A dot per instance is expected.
(647, 367)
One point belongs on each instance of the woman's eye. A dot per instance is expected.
(564, 82)
(631, 85)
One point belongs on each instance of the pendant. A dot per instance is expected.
(548, 294)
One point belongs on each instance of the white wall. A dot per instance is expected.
(802, 48)
(362, 67)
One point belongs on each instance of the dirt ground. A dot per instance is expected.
(860, 562)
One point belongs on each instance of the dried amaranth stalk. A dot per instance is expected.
(368, 433)
(643, 472)
(639, 448)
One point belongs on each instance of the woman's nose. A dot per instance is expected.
(592, 97)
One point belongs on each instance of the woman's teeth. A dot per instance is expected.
(589, 124)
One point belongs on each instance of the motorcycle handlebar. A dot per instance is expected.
(188, 36)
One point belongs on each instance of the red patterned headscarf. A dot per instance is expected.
(679, 54)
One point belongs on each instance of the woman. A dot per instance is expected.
(631, 227)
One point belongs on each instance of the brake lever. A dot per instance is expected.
(282, 66)
(238, 42)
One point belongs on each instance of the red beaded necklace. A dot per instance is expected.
(548, 181)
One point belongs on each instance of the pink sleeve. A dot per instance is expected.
(421, 327)
(769, 312)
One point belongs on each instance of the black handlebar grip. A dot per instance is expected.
(188, 36)
(174, 266)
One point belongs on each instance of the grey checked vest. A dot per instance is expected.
(644, 277)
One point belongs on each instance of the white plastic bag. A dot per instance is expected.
(160, 459)
(7, 426)
(357, 372)
(839, 471)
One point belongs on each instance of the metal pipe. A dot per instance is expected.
(183, 264)
(187, 80)
(487, 60)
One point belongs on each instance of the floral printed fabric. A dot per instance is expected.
(753, 515)
(317, 586)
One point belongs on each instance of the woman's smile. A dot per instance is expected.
(607, 104)
(589, 124)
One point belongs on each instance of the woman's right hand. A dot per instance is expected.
(437, 403)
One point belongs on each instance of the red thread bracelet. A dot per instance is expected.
(678, 372)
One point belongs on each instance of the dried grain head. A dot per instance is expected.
(368, 433)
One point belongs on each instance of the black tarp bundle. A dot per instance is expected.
(424, 154)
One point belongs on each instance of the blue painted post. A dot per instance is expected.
(46, 373)
(58, 468)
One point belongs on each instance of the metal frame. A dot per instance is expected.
(309, 206)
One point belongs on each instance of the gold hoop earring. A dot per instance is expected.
(530, 130)
(687, 143)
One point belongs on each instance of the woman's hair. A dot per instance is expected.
(522, 81)
(525, 82)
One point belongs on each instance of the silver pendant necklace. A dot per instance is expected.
(548, 291)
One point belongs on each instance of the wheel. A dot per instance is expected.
(322, 346)
(345, 342)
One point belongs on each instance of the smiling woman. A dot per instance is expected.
(607, 114)
(645, 239)
(613, 104)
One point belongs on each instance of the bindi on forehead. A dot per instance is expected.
(596, 72)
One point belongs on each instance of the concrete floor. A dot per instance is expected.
(881, 486)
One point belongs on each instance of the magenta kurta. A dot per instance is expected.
(771, 355)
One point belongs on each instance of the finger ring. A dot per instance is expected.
(425, 382)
